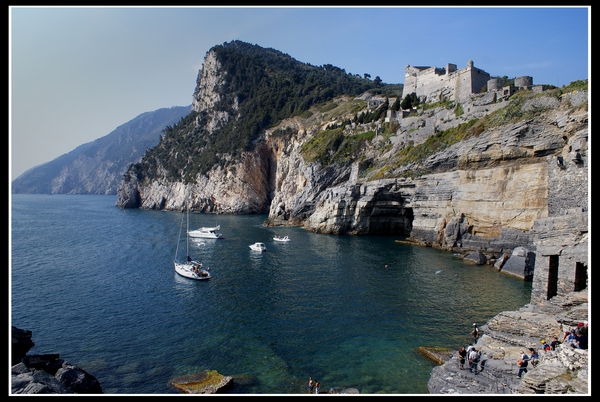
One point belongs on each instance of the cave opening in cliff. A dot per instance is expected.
(396, 222)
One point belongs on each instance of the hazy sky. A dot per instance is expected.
(77, 73)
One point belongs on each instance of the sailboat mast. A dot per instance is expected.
(187, 230)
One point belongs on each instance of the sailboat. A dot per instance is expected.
(191, 269)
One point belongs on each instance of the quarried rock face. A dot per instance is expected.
(472, 209)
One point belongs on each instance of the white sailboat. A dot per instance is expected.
(190, 268)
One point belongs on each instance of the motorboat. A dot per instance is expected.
(258, 246)
(190, 268)
(282, 239)
(207, 232)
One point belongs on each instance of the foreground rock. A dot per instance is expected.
(204, 382)
(563, 371)
(47, 373)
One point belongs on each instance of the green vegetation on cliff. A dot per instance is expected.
(261, 87)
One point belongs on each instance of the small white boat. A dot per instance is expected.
(258, 247)
(282, 239)
(207, 232)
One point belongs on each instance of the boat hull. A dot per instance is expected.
(187, 271)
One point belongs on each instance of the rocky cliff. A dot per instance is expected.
(484, 192)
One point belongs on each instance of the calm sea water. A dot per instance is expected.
(96, 284)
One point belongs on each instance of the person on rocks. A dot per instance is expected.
(580, 340)
(317, 387)
(534, 358)
(475, 333)
(545, 346)
(555, 343)
(522, 364)
(569, 336)
(311, 385)
(462, 356)
(473, 359)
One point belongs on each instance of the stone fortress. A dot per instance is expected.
(474, 89)
(436, 84)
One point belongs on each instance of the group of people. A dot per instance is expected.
(470, 354)
(198, 270)
(524, 360)
(576, 338)
(313, 386)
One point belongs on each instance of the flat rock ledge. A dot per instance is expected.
(203, 382)
(562, 371)
(436, 354)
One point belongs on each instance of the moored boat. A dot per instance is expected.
(190, 268)
(258, 246)
(207, 232)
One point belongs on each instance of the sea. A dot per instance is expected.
(96, 284)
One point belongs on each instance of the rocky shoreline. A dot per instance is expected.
(563, 371)
(47, 373)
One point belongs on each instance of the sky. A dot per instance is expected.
(78, 73)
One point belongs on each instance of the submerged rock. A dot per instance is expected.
(203, 382)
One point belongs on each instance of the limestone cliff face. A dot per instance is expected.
(492, 190)
(244, 189)
(208, 92)
(297, 185)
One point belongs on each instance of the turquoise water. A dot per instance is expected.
(96, 284)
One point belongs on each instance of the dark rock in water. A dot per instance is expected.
(520, 264)
(476, 257)
(47, 373)
(21, 343)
